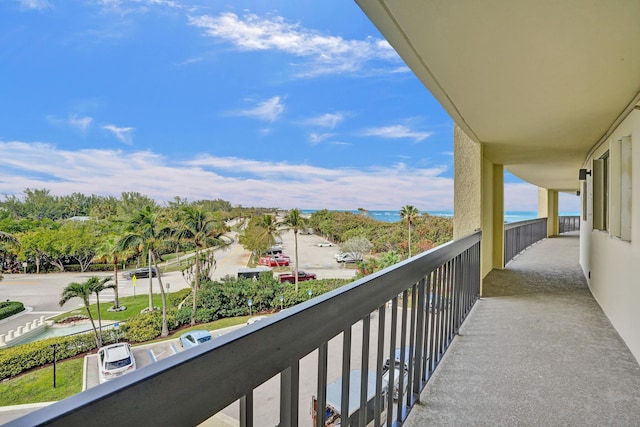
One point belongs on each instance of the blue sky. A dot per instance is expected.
(261, 103)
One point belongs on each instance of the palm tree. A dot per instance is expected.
(146, 229)
(98, 285)
(109, 250)
(295, 221)
(82, 291)
(202, 230)
(409, 213)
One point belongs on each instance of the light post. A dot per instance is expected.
(281, 302)
(249, 302)
(55, 348)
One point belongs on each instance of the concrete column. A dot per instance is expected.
(467, 194)
(19, 330)
(10, 335)
(478, 199)
(34, 324)
(497, 215)
(548, 208)
(2, 339)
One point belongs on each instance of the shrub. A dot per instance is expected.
(175, 298)
(143, 327)
(15, 360)
(9, 308)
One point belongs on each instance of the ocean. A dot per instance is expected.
(394, 216)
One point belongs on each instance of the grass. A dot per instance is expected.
(134, 306)
(37, 385)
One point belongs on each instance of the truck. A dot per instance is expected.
(291, 277)
(252, 273)
(333, 415)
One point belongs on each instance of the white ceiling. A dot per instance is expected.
(538, 82)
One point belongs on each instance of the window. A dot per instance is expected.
(600, 172)
(625, 188)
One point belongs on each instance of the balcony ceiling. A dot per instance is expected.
(538, 82)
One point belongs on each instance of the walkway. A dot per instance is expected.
(537, 350)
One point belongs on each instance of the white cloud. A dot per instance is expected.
(123, 134)
(326, 120)
(80, 123)
(268, 110)
(396, 132)
(35, 4)
(324, 54)
(317, 138)
(240, 181)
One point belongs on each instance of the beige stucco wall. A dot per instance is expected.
(611, 264)
(467, 165)
(478, 199)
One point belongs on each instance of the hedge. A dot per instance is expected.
(9, 308)
(18, 359)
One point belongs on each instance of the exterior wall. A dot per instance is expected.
(610, 258)
(478, 200)
(467, 184)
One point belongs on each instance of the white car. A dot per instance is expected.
(324, 244)
(114, 361)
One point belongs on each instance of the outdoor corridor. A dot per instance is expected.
(536, 350)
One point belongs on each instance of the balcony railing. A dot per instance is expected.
(269, 371)
(518, 236)
(568, 223)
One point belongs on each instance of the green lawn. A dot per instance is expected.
(37, 385)
(134, 306)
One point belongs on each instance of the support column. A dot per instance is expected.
(497, 215)
(548, 207)
(478, 200)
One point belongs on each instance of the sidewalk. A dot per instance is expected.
(536, 350)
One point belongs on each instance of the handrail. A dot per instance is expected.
(425, 298)
(520, 235)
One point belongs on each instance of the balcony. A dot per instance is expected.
(535, 350)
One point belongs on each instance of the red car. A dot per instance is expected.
(291, 278)
(272, 261)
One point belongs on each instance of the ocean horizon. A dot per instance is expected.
(394, 215)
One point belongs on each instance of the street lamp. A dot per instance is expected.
(281, 302)
(55, 348)
(249, 302)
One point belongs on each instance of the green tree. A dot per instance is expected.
(295, 221)
(98, 285)
(146, 229)
(201, 229)
(409, 213)
(109, 250)
(83, 291)
(259, 235)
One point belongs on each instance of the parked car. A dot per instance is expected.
(253, 273)
(194, 338)
(274, 261)
(399, 369)
(291, 278)
(347, 258)
(324, 244)
(115, 360)
(140, 273)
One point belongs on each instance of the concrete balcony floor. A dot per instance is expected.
(536, 350)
